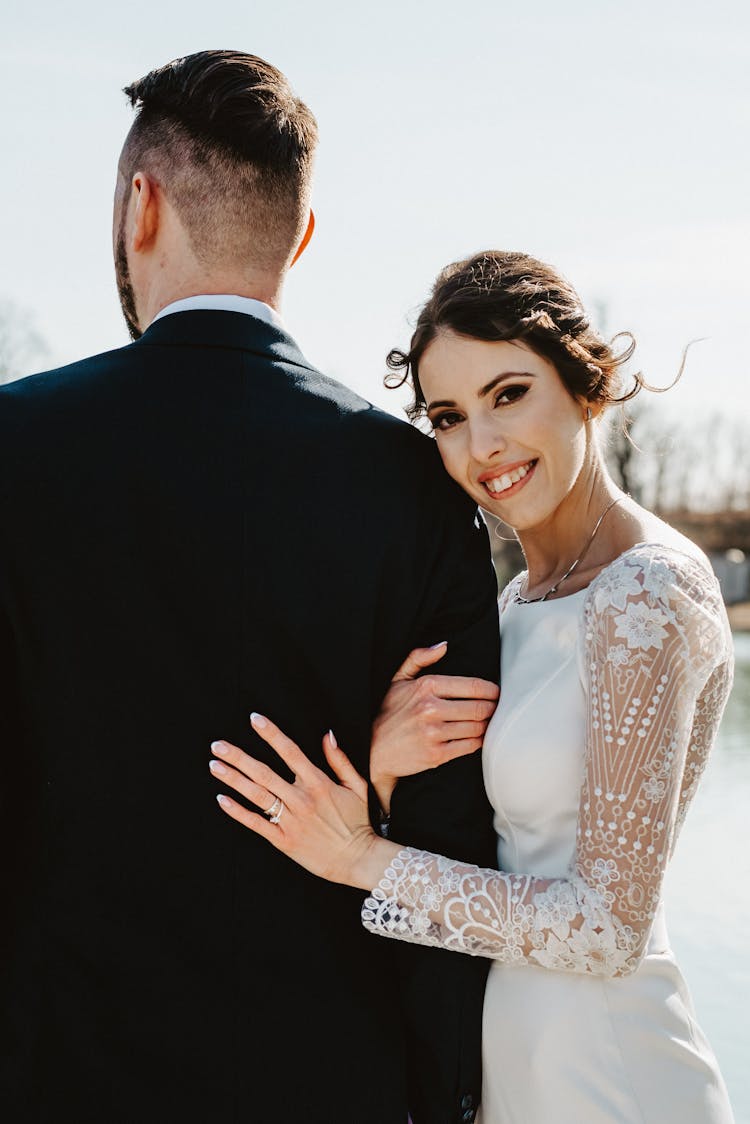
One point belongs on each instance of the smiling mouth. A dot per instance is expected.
(509, 482)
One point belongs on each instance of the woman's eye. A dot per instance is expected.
(446, 421)
(510, 394)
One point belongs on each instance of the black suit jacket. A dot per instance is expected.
(193, 527)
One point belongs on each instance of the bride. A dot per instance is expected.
(616, 665)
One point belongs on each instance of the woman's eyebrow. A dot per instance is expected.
(501, 378)
(485, 390)
(440, 402)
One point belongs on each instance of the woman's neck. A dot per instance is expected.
(551, 548)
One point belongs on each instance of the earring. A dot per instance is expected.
(588, 413)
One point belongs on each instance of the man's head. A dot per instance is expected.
(214, 180)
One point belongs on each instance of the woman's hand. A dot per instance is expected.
(322, 825)
(427, 721)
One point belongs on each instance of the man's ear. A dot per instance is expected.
(305, 238)
(144, 202)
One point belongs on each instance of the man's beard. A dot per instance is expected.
(124, 285)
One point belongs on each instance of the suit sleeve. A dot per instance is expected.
(10, 746)
(447, 810)
(8, 699)
(16, 766)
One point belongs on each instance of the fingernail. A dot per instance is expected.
(440, 644)
(221, 749)
(218, 768)
(258, 720)
(332, 738)
(224, 800)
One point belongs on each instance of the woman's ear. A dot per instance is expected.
(591, 410)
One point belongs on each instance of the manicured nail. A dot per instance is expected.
(258, 720)
(332, 738)
(224, 800)
(221, 749)
(440, 644)
(217, 768)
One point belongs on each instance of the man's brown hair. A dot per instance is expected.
(231, 147)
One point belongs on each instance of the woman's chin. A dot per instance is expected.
(517, 520)
(492, 509)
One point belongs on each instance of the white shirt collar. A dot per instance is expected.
(224, 302)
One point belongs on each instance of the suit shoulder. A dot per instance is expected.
(409, 461)
(394, 439)
(35, 408)
(61, 380)
(370, 427)
(405, 460)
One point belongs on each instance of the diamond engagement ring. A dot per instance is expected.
(278, 814)
(274, 810)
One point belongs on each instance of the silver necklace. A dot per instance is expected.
(521, 600)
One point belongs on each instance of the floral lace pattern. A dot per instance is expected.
(658, 660)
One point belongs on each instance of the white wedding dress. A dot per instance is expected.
(611, 698)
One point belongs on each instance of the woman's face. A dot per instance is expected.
(507, 429)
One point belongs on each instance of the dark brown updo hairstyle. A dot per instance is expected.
(503, 295)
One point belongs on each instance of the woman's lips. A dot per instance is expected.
(508, 483)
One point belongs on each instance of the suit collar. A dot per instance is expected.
(226, 302)
(232, 330)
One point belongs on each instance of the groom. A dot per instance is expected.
(192, 527)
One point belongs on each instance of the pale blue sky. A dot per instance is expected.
(608, 138)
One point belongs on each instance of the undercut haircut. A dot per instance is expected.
(232, 148)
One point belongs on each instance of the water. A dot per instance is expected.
(708, 892)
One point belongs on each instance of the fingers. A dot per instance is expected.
(460, 687)
(419, 659)
(251, 820)
(457, 731)
(343, 767)
(442, 741)
(257, 794)
(258, 782)
(449, 751)
(460, 710)
(289, 752)
(446, 686)
(257, 773)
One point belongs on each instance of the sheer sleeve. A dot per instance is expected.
(656, 650)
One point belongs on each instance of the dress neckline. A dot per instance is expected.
(645, 544)
(554, 600)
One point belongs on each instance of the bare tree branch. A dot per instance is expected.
(21, 346)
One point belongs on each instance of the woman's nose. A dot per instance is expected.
(486, 441)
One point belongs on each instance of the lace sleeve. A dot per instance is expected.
(657, 653)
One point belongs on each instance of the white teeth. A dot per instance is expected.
(508, 479)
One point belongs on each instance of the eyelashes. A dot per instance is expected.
(445, 421)
(511, 393)
(508, 396)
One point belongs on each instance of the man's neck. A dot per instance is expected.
(263, 289)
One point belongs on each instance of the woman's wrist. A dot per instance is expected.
(371, 865)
